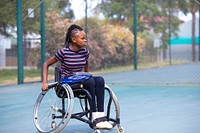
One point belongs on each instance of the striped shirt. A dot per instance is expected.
(71, 61)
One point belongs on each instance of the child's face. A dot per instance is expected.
(80, 39)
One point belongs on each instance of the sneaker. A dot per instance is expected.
(104, 125)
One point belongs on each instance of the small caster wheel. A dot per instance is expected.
(97, 131)
(53, 124)
(120, 130)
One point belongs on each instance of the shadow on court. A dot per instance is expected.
(144, 109)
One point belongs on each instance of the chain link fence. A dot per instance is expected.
(165, 38)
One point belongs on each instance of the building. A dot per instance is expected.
(181, 46)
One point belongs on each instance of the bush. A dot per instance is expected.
(109, 45)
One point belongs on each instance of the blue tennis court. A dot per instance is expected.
(145, 108)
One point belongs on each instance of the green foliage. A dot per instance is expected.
(151, 13)
(55, 33)
(116, 10)
(32, 25)
(109, 45)
(7, 15)
(62, 7)
(153, 16)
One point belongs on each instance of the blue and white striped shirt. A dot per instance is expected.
(71, 61)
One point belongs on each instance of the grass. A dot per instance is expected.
(9, 76)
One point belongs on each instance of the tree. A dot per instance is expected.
(116, 11)
(55, 35)
(114, 44)
(193, 9)
(8, 14)
(33, 24)
(152, 16)
(109, 45)
(187, 6)
(156, 15)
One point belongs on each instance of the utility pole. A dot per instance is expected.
(20, 71)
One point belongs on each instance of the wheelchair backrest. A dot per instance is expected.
(57, 74)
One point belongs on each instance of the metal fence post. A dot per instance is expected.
(199, 32)
(19, 41)
(86, 20)
(42, 30)
(135, 33)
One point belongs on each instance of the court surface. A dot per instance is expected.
(144, 108)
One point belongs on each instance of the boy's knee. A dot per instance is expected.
(100, 80)
(89, 82)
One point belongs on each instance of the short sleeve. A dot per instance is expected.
(59, 55)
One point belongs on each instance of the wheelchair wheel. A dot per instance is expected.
(111, 107)
(53, 112)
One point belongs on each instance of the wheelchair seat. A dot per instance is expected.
(73, 79)
(75, 82)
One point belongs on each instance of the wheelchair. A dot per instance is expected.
(53, 108)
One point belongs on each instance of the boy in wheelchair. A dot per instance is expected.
(73, 58)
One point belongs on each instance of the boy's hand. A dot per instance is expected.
(45, 86)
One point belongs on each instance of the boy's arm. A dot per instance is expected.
(46, 65)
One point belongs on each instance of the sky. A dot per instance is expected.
(79, 7)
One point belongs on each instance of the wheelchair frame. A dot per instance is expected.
(54, 108)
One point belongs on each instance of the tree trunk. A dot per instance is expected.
(193, 36)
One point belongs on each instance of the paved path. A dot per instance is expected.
(144, 109)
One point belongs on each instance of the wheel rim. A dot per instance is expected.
(112, 109)
(48, 107)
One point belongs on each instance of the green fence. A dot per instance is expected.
(133, 35)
